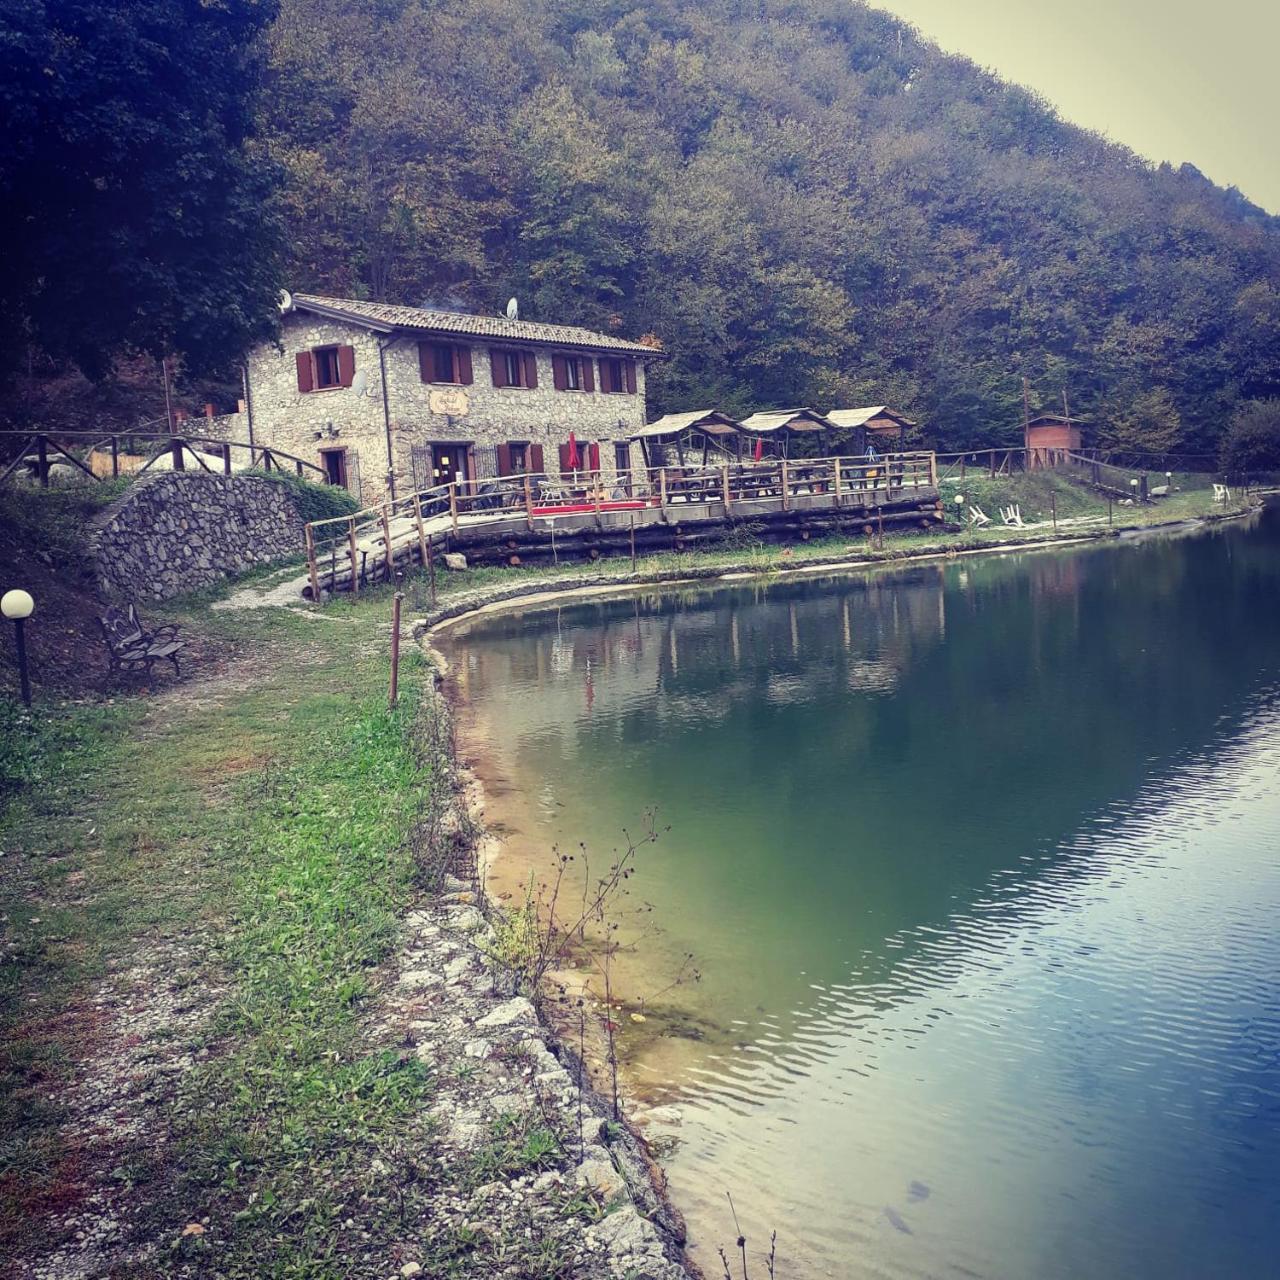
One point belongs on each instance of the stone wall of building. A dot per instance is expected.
(179, 531)
(307, 423)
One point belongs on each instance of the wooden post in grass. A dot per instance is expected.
(431, 567)
(880, 520)
(453, 506)
(633, 542)
(1110, 513)
(837, 482)
(724, 476)
(395, 647)
(351, 544)
(311, 565)
(785, 483)
(115, 456)
(528, 501)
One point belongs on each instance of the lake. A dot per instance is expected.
(979, 864)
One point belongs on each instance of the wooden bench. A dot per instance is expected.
(131, 646)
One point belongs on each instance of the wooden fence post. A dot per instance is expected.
(115, 457)
(422, 532)
(662, 490)
(453, 505)
(42, 460)
(528, 500)
(351, 544)
(431, 568)
(386, 544)
(311, 565)
(838, 487)
(395, 648)
(786, 480)
(724, 474)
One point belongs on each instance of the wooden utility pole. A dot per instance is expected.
(1026, 414)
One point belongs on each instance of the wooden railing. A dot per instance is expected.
(367, 542)
(41, 450)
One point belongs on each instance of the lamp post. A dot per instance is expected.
(17, 605)
(960, 507)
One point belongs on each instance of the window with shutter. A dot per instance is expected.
(631, 377)
(537, 463)
(327, 373)
(440, 362)
(612, 377)
(306, 371)
(513, 368)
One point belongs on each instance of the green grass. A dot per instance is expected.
(256, 835)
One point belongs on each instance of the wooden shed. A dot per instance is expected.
(1050, 437)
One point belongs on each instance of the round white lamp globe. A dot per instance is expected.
(16, 604)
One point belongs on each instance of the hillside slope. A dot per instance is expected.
(809, 203)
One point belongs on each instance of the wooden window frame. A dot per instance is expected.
(502, 360)
(321, 355)
(617, 376)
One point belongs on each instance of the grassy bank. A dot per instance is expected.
(198, 890)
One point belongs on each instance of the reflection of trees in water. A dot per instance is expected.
(884, 750)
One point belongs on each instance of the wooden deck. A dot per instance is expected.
(534, 518)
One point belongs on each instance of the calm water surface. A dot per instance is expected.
(981, 867)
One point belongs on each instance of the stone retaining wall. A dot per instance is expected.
(175, 532)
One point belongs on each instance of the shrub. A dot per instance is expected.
(1252, 442)
(310, 500)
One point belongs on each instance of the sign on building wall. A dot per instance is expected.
(450, 401)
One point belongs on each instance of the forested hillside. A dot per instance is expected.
(807, 202)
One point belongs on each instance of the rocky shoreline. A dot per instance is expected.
(512, 1101)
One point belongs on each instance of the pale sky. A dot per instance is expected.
(1176, 80)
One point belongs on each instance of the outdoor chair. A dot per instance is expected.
(130, 645)
(978, 517)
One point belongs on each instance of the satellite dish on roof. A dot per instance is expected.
(513, 309)
(286, 302)
(360, 382)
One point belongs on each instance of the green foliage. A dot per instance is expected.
(516, 946)
(135, 210)
(1252, 442)
(312, 501)
(808, 204)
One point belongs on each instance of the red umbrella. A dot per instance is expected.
(759, 448)
(574, 459)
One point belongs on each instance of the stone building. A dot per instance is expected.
(392, 399)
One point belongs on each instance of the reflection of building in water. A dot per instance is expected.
(693, 653)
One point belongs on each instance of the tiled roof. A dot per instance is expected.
(386, 317)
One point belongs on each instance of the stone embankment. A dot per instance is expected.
(176, 532)
(531, 1157)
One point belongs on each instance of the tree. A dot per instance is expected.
(135, 210)
(1147, 422)
(1252, 442)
